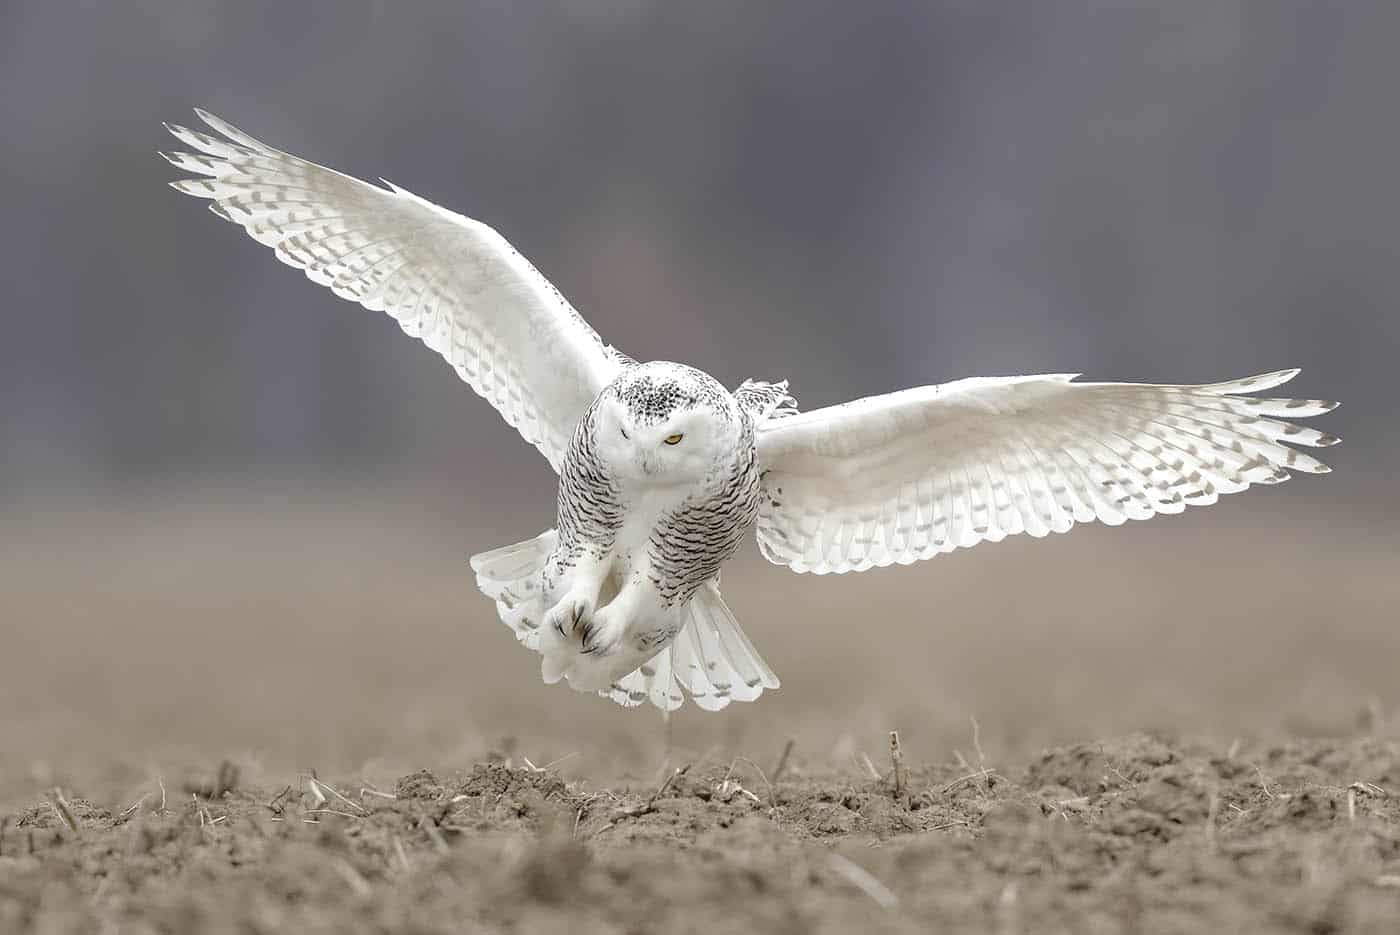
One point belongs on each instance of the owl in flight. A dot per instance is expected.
(663, 471)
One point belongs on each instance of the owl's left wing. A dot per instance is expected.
(906, 476)
(451, 281)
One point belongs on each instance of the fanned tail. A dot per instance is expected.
(710, 658)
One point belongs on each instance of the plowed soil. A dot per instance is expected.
(1142, 834)
(173, 671)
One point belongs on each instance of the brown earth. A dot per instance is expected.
(1142, 834)
(1247, 669)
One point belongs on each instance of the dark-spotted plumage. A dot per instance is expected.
(690, 541)
(690, 544)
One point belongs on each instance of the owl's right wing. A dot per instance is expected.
(906, 476)
(450, 281)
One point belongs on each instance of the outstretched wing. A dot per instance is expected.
(905, 476)
(450, 281)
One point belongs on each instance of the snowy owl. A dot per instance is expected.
(663, 471)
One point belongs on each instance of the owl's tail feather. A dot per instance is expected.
(510, 576)
(710, 658)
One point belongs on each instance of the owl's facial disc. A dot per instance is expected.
(660, 449)
(664, 424)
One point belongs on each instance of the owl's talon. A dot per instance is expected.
(599, 635)
(569, 614)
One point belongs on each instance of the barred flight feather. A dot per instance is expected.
(450, 281)
(903, 477)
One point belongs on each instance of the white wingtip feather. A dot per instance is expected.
(219, 125)
(1255, 384)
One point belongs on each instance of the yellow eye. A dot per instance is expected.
(674, 439)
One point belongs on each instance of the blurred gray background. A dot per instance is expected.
(219, 479)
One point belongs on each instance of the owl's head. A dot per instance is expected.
(664, 424)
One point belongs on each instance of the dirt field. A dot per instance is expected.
(1141, 834)
(173, 672)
